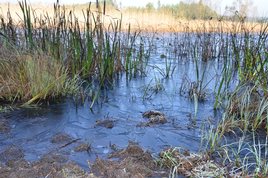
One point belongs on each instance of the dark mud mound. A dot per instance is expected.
(130, 162)
(61, 138)
(153, 118)
(83, 147)
(107, 123)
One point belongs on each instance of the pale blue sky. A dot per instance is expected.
(259, 7)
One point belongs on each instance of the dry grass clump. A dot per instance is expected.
(132, 161)
(247, 109)
(26, 77)
(182, 162)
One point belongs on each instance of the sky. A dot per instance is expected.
(259, 7)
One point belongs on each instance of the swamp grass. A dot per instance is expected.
(240, 91)
(56, 51)
(83, 50)
(28, 77)
(244, 105)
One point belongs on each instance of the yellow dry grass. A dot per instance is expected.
(148, 21)
(33, 77)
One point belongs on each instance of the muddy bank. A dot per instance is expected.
(132, 161)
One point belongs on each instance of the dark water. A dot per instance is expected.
(32, 129)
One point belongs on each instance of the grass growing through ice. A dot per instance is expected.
(245, 116)
(241, 92)
(245, 106)
(152, 88)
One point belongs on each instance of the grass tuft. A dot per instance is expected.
(28, 77)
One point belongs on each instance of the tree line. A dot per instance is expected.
(182, 10)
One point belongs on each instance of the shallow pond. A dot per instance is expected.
(32, 129)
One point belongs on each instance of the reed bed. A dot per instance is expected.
(89, 49)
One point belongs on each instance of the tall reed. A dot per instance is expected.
(92, 49)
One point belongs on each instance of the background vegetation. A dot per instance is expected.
(190, 11)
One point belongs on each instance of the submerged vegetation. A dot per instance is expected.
(49, 56)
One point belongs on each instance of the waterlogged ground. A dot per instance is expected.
(74, 131)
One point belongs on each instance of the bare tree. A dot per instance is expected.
(243, 8)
